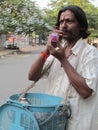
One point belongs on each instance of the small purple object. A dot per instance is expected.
(54, 37)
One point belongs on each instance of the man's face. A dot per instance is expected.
(70, 25)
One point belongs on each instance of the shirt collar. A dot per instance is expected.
(77, 47)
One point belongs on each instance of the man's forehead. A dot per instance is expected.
(67, 14)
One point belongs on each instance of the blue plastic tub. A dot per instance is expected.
(39, 112)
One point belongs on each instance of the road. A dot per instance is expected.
(14, 78)
(14, 75)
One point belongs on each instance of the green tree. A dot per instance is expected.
(20, 16)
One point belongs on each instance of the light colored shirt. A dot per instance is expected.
(85, 61)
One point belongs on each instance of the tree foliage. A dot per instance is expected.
(20, 16)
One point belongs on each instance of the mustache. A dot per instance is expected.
(64, 30)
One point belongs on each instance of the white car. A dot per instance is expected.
(9, 45)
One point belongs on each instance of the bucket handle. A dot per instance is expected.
(33, 84)
(56, 109)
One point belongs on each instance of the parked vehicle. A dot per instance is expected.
(9, 45)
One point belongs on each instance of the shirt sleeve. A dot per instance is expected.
(90, 70)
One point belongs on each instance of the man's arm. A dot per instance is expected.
(37, 66)
(77, 81)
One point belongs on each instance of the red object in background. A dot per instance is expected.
(11, 39)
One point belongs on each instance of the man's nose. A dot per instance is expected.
(64, 24)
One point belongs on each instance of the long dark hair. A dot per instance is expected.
(80, 16)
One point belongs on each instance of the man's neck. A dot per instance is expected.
(71, 43)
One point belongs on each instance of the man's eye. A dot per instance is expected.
(67, 21)
(61, 21)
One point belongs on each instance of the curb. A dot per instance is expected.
(4, 52)
(21, 50)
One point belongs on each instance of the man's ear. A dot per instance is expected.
(82, 28)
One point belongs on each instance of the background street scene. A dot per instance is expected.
(14, 71)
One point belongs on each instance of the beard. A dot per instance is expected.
(69, 35)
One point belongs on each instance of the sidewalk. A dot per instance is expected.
(28, 48)
(22, 49)
(4, 52)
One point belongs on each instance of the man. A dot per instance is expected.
(74, 67)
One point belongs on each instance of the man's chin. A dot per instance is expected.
(66, 37)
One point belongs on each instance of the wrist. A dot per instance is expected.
(44, 55)
(47, 51)
(63, 60)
